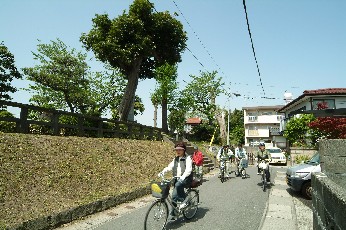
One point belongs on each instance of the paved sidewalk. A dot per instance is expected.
(280, 210)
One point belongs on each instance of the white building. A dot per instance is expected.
(333, 98)
(262, 124)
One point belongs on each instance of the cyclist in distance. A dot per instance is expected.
(263, 154)
(181, 166)
(197, 158)
(224, 152)
(240, 153)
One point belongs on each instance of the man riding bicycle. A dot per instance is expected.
(181, 166)
(263, 154)
(240, 153)
(224, 152)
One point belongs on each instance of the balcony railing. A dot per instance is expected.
(253, 133)
(253, 118)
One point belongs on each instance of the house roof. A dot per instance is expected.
(194, 121)
(275, 107)
(315, 92)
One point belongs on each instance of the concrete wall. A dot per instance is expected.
(296, 151)
(329, 187)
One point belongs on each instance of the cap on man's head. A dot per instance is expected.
(262, 144)
(180, 145)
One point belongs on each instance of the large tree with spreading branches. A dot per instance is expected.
(136, 43)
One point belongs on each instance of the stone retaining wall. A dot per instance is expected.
(329, 187)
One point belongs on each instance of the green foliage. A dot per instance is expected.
(202, 132)
(297, 128)
(63, 81)
(165, 90)
(136, 43)
(7, 127)
(201, 93)
(301, 158)
(237, 130)
(8, 71)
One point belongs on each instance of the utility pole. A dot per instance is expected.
(229, 109)
(228, 127)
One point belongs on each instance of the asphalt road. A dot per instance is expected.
(235, 204)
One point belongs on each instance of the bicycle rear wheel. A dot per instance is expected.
(156, 216)
(243, 173)
(193, 199)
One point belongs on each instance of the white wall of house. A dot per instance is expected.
(309, 103)
(262, 124)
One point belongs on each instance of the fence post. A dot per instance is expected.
(100, 128)
(141, 132)
(80, 130)
(55, 123)
(129, 129)
(24, 124)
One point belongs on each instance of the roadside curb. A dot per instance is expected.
(280, 208)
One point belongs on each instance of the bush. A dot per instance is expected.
(7, 127)
(301, 158)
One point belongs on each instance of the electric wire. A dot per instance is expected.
(188, 23)
(198, 38)
(253, 48)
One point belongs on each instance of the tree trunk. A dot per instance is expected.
(155, 116)
(221, 121)
(130, 92)
(164, 115)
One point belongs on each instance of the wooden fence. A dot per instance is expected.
(34, 119)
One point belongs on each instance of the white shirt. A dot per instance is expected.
(188, 168)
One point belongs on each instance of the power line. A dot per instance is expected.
(253, 48)
(152, 4)
(198, 38)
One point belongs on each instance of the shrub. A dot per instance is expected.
(301, 158)
(5, 126)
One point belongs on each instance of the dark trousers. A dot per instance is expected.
(266, 171)
(178, 194)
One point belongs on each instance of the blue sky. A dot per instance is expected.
(299, 44)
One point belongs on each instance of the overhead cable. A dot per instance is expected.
(188, 23)
(200, 41)
(253, 48)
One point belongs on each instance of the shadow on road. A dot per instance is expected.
(181, 221)
(300, 197)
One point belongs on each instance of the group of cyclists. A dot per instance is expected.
(182, 167)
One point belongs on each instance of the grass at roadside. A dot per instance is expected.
(41, 175)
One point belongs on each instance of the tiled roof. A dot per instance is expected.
(325, 91)
(194, 120)
(275, 107)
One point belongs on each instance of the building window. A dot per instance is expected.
(266, 113)
(330, 103)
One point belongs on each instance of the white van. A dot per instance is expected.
(277, 155)
(298, 177)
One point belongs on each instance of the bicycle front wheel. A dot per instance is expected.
(156, 216)
(264, 182)
(193, 200)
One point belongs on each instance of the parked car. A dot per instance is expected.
(277, 155)
(298, 177)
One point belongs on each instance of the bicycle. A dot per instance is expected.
(223, 168)
(241, 170)
(263, 166)
(157, 214)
